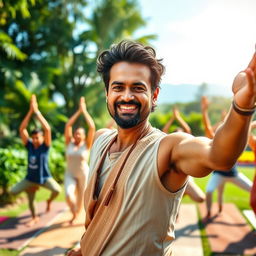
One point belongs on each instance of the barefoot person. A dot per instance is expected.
(77, 153)
(38, 173)
(192, 190)
(138, 173)
(219, 178)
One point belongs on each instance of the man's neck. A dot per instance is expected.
(127, 137)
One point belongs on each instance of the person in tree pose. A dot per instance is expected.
(218, 177)
(77, 153)
(138, 173)
(38, 173)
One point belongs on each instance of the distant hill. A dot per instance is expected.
(187, 92)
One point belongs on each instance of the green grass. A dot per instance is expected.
(232, 194)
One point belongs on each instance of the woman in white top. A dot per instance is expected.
(77, 153)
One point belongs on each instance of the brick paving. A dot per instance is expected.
(188, 239)
(229, 233)
(14, 234)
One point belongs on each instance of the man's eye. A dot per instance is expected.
(138, 88)
(117, 88)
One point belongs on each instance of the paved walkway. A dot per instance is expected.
(188, 238)
(249, 214)
(58, 238)
(14, 234)
(228, 233)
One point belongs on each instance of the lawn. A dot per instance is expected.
(232, 194)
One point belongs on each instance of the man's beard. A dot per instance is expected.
(129, 122)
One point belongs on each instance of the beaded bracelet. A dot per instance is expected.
(243, 111)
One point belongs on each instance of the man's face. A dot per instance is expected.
(37, 139)
(129, 97)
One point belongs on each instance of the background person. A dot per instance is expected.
(38, 173)
(77, 154)
(219, 178)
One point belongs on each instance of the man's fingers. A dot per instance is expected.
(239, 81)
(250, 75)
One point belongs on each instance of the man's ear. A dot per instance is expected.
(155, 96)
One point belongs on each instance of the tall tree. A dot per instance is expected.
(108, 21)
(61, 41)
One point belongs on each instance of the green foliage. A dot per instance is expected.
(57, 162)
(193, 119)
(158, 119)
(9, 10)
(9, 48)
(57, 43)
(13, 161)
(217, 106)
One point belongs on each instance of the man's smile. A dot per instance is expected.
(127, 108)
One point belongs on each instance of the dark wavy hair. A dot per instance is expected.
(132, 52)
(36, 131)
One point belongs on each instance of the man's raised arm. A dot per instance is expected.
(23, 126)
(44, 123)
(198, 156)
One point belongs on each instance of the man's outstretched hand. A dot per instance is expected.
(244, 86)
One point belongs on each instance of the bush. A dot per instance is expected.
(13, 165)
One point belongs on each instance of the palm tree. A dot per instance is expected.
(109, 21)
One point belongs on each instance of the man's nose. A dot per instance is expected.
(127, 95)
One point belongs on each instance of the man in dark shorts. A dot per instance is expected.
(38, 173)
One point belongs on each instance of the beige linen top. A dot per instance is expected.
(145, 223)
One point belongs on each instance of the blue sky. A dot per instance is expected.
(202, 40)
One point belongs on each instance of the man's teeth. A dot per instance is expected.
(127, 107)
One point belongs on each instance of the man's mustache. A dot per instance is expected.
(131, 102)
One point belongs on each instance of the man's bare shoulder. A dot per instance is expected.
(176, 138)
(170, 143)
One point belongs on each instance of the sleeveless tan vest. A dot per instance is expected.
(136, 218)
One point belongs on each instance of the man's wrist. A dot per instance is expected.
(243, 111)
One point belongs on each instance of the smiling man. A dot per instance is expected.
(137, 173)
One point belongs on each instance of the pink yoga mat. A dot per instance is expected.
(3, 218)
